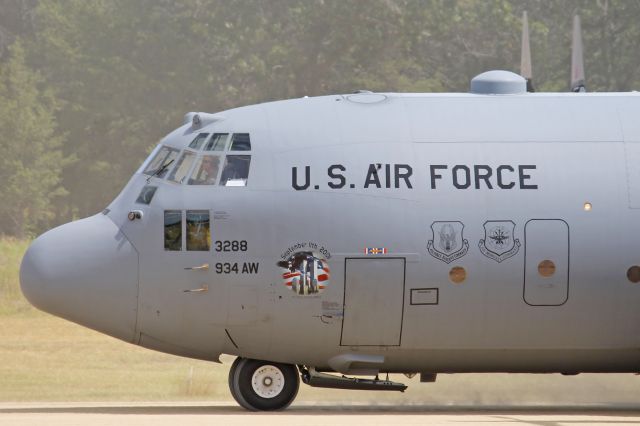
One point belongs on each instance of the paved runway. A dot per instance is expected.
(159, 414)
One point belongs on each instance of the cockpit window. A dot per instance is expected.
(172, 230)
(205, 171)
(217, 142)
(181, 169)
(241, 142)
(236, 170)
(198, 232)
(146, 194)
(198, 141)
(162, 158)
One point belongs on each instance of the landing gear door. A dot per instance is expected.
(373, 301)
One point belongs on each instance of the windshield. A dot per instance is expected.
(221, 159)
(206, 170)
(162, 158)
(182, 168)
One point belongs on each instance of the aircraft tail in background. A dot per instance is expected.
(578, 83)
(525, 60)
(577, 62)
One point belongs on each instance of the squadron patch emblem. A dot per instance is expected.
(499, 243)
(448, 243)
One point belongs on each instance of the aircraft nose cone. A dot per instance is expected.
(86, 272)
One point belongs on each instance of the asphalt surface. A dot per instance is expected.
(226, 413)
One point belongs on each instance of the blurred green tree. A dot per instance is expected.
(30, 157)
(125, 72)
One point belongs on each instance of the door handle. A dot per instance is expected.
(203, 267)
(202, 289)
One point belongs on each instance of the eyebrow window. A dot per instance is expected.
(198, 141)
(146, 194)
(164, 157)
(172, 230)
(182, 168)
(205, 171)
(198, 231)
(241, 142)
(218, 142)
(236, 170)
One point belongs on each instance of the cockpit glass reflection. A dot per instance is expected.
(205, 171)
(182, 168)
(197, 142)
(241, 142)
(217, 142)
(146, 194)
(198, 233)
(236, 170)
(173, 230)
(158, 166)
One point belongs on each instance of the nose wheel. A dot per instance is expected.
(263, 385)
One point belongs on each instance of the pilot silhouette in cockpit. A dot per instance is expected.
(207, 172)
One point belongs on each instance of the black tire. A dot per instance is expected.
(233, 371)
(263, 385)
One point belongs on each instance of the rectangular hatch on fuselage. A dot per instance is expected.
(373, 302)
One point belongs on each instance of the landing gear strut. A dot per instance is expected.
(263, 385)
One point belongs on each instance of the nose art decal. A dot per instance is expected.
(305, 272)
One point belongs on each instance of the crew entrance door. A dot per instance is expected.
(373, 302)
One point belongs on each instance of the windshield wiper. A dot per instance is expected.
(160, 170)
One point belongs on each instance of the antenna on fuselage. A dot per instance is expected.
(525, 59)
(577, 62)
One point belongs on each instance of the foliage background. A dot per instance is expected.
(88, 87)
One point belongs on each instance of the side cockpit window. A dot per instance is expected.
(236, 170)
(198, 230)
(161, 162)
(173, 230)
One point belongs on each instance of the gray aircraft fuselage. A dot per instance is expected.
(377, 232)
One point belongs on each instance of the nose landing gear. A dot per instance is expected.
(262, 385)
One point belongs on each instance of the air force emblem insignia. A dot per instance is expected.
(448, 243)
(499, 243)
